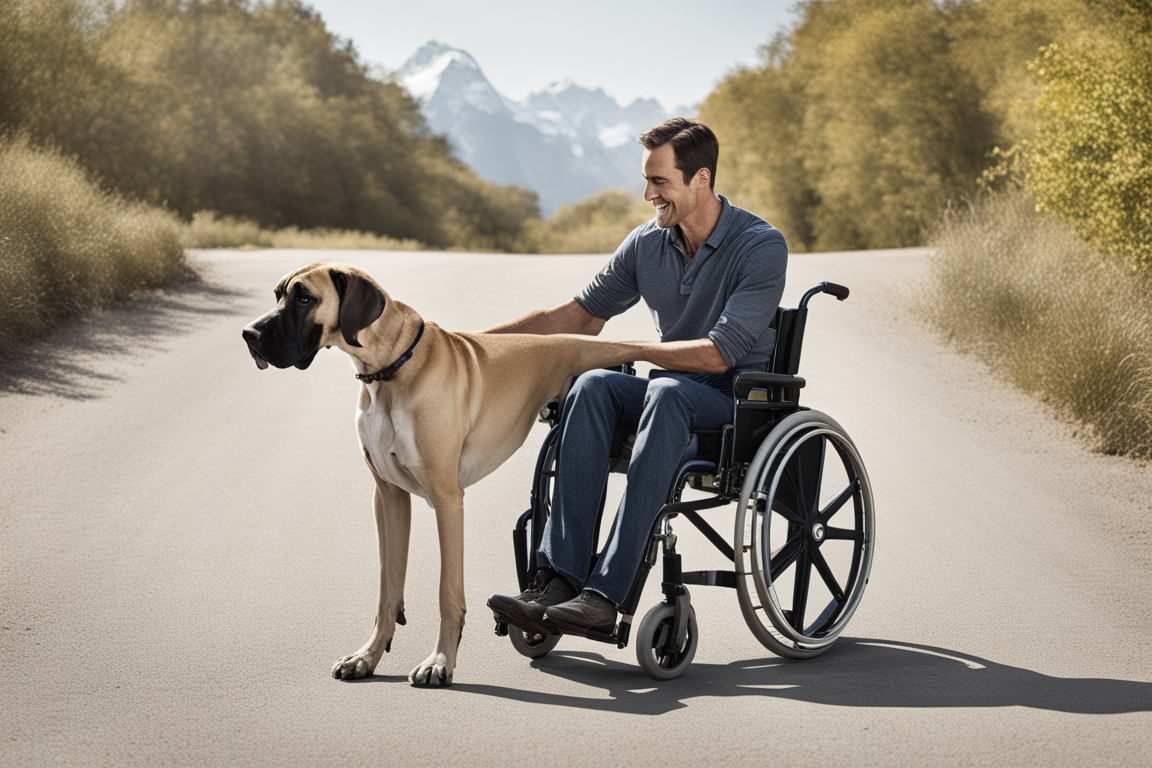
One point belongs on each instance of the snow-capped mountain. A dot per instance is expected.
(565, 142)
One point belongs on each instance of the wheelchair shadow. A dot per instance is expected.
(857, 672)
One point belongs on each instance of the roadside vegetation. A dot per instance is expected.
(1021, 291)
(68, 247)
(596, 225)
(208, 230)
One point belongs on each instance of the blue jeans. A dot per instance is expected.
(666, 409)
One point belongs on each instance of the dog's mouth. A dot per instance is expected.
(261, 363)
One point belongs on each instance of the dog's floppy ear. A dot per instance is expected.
(361, 303)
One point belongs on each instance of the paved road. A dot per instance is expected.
(186, 545)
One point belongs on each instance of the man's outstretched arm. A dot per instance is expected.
(697, 356)
(569, 317)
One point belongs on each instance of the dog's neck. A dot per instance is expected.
(386, 339)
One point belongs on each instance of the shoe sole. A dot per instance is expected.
(565, 628)
(526, 623)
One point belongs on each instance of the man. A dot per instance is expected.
(712, 275)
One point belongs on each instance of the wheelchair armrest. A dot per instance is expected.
(746, 382)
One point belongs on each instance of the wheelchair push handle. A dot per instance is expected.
(839, 291)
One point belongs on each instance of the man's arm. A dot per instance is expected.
(696, 356)
(569, 317)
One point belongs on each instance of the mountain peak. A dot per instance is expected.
(566, 142)
(422, 72)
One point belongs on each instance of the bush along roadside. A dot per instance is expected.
(1019, 290)
(68, 247)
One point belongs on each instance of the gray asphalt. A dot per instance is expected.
(186, 545)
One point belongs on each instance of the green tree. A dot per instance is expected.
(1091, 160)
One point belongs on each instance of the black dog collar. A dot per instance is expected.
(390, 371)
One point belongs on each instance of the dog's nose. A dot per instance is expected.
(251, 334)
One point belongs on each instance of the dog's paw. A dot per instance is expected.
(433, 671)
(352, 667)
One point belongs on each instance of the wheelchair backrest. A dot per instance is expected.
(789, 324)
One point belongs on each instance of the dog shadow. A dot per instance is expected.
(65, 363)
(857, 672)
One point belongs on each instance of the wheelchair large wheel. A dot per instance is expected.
(805, 508)
(656, 638)
(531, 644)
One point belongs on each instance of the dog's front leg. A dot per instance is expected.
(393, 508)
(437, 669)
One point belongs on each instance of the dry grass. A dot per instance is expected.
(67, 247)
(208, 230)
(1018, 289)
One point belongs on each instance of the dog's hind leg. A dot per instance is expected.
(437, 669)
(393, 508)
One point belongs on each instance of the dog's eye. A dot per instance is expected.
(304, 298)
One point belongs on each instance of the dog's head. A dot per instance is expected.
(316, 306)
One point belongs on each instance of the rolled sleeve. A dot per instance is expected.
(614, 289)
(751, 307)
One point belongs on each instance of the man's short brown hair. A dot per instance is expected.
(693, 145)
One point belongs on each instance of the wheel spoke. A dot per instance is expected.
(785, 511)
(800, 590)
(826, 616)
(838, 502)
(826, 574)
(845, 534)
(808, 465)
(785, 556)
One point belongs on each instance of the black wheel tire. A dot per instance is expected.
(657, 659)
(793, 454)
(531, 644)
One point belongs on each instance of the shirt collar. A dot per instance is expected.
(718, 232)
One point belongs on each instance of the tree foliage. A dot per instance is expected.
(866, 118)
(252, 110)
(1091, 160)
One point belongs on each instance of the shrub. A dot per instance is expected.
(1021, 291)
(596, 225)
(68, 247)
(209, 230)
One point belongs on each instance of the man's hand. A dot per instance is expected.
(569, 317)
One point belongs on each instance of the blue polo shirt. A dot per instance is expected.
(728, 293)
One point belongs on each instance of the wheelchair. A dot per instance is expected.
(803, 505)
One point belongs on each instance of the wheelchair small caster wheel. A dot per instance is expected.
(655, 643)
(531, 644)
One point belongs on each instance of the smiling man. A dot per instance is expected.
(712, 276)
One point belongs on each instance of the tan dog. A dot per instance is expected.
(452, 412)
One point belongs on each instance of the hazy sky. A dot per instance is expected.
(674, 50)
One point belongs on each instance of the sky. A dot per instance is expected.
(674, 50)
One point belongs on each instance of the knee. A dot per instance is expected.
(591, 382)
(667, 392)
(591, 389)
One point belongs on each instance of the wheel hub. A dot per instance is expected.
(818, 533)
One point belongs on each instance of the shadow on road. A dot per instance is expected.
(855, 673)
(65, 363)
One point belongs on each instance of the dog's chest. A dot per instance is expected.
(386, 448)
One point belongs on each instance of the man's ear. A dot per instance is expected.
(361, 303)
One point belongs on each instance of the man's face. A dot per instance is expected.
(665, 187)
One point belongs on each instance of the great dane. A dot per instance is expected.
(437, 411)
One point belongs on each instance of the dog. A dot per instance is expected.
(437, 411)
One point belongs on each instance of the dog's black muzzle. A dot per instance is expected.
(283, 340)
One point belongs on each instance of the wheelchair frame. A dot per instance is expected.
(770, 461)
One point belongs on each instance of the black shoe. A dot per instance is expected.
(587, 611)
(526, 610)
